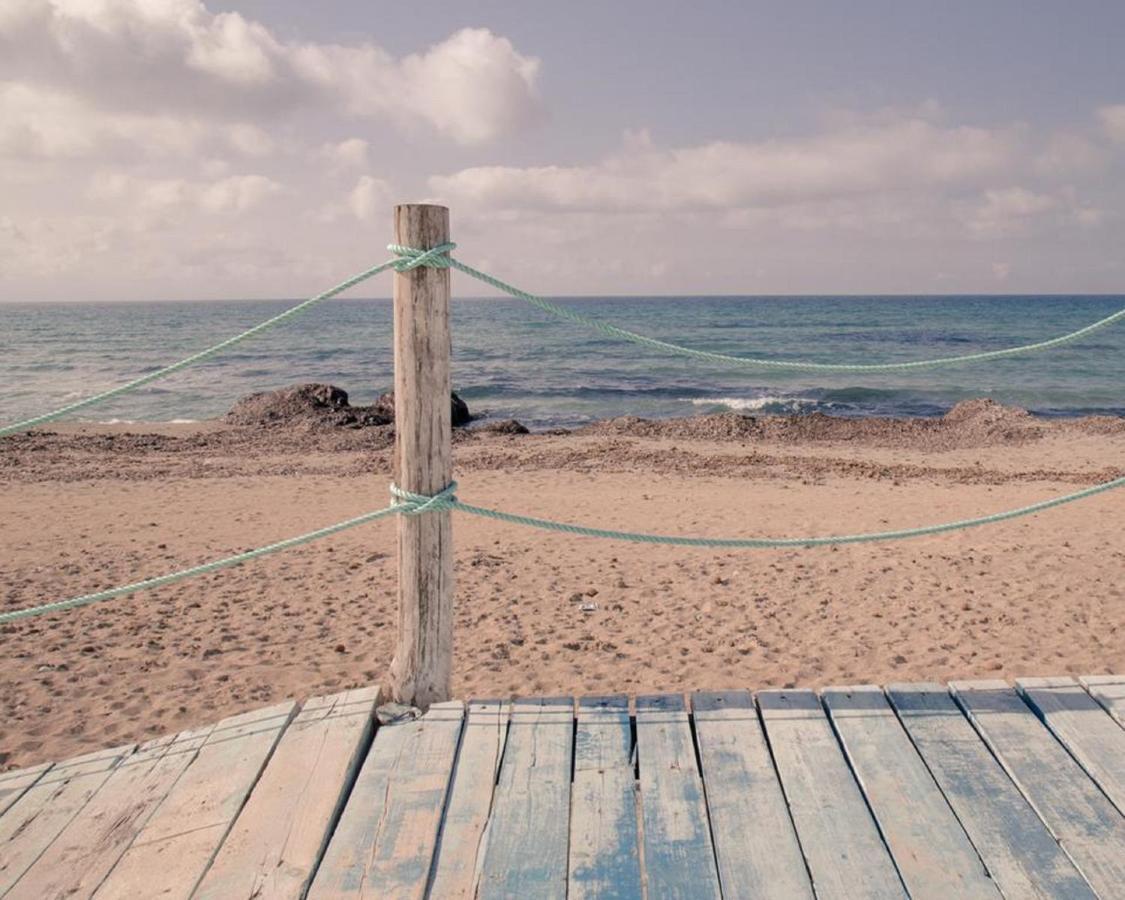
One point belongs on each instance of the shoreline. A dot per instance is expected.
(482, 421)
(87, 507)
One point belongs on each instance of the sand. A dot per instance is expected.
(85, 508)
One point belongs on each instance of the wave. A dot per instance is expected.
(760, 404)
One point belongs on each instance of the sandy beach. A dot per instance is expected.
(88, 507)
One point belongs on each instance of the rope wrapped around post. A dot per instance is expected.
(412, 504)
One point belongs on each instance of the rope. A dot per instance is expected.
(445, 262)
(214, 565)
(397, 264)
(446, 500)
(438, 257)
(412, 504)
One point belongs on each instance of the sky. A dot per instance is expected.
(179, 149)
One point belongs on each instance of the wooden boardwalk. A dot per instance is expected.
(978, 789)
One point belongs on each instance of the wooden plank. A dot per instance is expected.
(930, 848)
(755, 843)
(604, 851)
(77, 861)
(1079, 721)
(385, 841)
(277, 840)
(14, 784)
(1109, 691)
(176, 845)
(679, 860)
(45, 809)
(845, 855)
(461, 841)
(1020, 853)
(1079, 815)
(526, 854)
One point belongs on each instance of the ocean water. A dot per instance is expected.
(511, 360)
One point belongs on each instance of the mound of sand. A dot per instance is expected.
(972, 423)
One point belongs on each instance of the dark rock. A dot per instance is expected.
(504, 426)
(288, 404)
(307, 404)
(459, 409)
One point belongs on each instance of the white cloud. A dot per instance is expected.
(39, 122)
(369, 197)
(1007, 210)
(857, 160)
(237, 194)
(228, 195)
(1113, 121)
(250, 140)
(126, 57)
(1012, 211)
(351, 153)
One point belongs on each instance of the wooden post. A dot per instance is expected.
(423, 661)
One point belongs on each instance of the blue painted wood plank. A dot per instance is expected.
(604, 850)
(679, 861)
(755, 842)
(930, 848)
(845, 854)
(1093, 738)
(384, 843)
(1109, 691)
(526, 854)
(463, 827)
(1082, 819)
(1018, 849)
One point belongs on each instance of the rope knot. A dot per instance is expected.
(410, 258)
(411, 504)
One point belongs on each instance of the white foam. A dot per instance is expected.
(754, 403)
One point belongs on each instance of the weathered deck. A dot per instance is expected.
(979, 790)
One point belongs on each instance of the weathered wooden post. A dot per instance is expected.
(423, 661)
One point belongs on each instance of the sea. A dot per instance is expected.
(513, 361)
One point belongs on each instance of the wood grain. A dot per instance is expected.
(422, 668)
(1021, 854)
(845, 854)
(755, 843)
(277, 841)
(604, 850)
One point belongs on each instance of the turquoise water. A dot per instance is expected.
(511, 360)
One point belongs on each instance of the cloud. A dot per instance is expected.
(719, 175)
(351, 153)
(1113, 122)
(119, 58)
(369, 197)
(1007, 210)
(1011, 211)
(222, 196)
(38, 122)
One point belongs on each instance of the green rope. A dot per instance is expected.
(438, 257)
(446, 261)
(214, 565)
(397, 264)
(412, 504)
(446, 500)
(408, 503)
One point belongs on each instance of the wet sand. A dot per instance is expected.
(84, 508)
